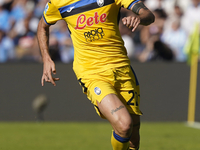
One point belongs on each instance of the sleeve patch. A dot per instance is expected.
(46, 8)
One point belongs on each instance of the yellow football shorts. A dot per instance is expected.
(120, 81)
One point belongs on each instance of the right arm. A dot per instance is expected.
(48, 64)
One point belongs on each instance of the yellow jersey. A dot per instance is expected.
(94, 29)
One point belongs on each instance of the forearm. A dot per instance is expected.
(43, 39)
(145, 15)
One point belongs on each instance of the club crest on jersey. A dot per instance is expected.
(100, 2)
(97, 90)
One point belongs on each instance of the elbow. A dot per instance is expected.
(152, 18)
(147, 19)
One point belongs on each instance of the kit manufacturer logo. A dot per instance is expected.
(70, 9)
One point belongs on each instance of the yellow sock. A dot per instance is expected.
(119, 143)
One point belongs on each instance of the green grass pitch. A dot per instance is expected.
(93, 136)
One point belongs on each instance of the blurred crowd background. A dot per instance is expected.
(164, 40)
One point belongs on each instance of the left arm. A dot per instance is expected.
(143, 16)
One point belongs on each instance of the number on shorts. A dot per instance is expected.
(132, 97)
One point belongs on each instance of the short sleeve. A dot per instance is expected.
(51, 13)
(126, 3)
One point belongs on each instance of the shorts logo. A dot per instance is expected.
(46, 8)
(97, 90)
(100, 2)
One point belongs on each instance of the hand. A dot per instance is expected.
(48, 69)
(131, 22)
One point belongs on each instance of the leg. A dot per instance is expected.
(117, 114)
(135, 137)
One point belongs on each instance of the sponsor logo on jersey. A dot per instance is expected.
(94, 35)
(100, 2)
(97, 90)
(83, 21)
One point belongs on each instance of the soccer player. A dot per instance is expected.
(100, 59)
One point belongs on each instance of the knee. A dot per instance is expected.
(124, 128)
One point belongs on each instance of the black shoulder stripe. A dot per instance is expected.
(85, 8)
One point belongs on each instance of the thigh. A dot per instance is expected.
(97, 89)
(112, 108)
(115, 112)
